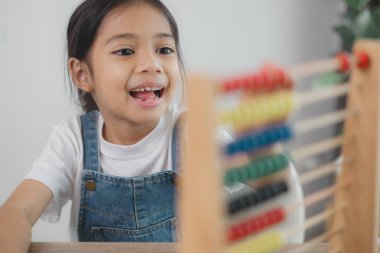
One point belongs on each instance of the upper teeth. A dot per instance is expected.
(147, 89)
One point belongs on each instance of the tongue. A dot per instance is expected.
(145, 95)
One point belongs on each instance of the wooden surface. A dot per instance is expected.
(133, 248)
(361, 157)
(200, 192)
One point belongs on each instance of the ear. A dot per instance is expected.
(80, 74)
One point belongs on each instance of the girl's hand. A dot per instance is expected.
(19, 213)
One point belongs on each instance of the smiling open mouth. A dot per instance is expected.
(146, 94)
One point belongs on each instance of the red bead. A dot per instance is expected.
(269, 81)
(255, 224)
(250, 81)
(260, 81)
(286, 81)
(280, 76)
(271, 217)
(362, 60)
(232, 85)
(250, 226)
(227, 86)
(264, 77)
(344, 61)
(256, 84)
(280, 214)
(289, 81)
(238, 83)
(246, 83)
(275, 215)
(244, 229)
(260, 223)
(233, 234)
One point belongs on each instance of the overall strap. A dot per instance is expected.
(89, 122)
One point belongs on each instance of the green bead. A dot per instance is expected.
(260, 169)
(285, 161)
(243, 175)
(269, 165)
(251, 171)
(234, 176)
(277, 163)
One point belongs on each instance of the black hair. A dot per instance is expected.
(83, 26)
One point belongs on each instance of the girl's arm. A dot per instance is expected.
(19, 213)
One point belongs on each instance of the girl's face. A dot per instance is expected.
(134, 64)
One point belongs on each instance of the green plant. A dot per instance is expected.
(360, 20)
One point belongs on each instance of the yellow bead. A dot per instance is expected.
(274, 110)
(238, 117)
(260, 110)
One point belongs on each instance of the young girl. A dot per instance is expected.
(118, 161)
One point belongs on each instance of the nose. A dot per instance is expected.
(148, 62)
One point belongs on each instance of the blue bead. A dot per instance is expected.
(269, 137)
(246, 144)
(261, 139)
(240, 147)
(281, 133)
(231, 148)
(254, 143)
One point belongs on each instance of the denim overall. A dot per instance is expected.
(124, 209)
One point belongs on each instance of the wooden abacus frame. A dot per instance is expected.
(200, 205)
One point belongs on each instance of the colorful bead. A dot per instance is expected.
(265, 243)
(255, 224)
(260, 111)
(256, 169)
(344, 62)
(257, 140)
(260, 195)
(362, 60)
(268, 79)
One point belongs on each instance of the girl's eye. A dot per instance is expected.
(124, 52)
(165, 50)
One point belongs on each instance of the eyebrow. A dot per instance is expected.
(134, 36)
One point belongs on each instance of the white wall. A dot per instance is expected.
(223, 36)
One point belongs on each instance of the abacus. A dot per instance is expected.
(261, 119)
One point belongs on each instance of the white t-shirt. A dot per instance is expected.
(60, 165)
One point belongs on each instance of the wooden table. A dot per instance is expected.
(132, 248)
